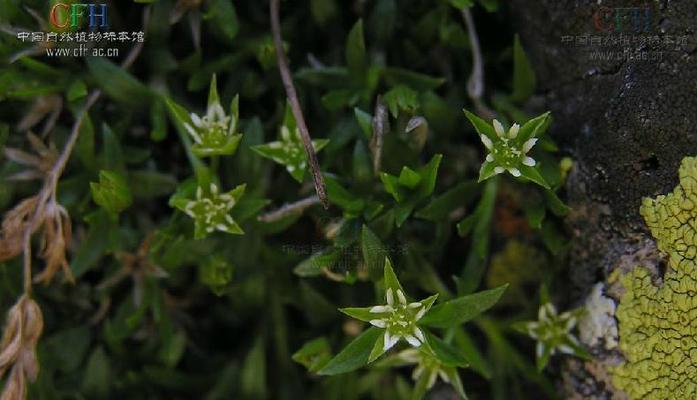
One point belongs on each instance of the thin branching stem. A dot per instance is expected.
(289, 209)
(320, 187)
(46, 198)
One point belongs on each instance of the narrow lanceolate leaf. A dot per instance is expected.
(532, 174)
(354, 355)
(534, 127)
(481, 126)
(523, 75)
(447, 353)
(391, 281)
(374, 252)
(355, 50)
(462, 309)
(378, 348)
(359, 313)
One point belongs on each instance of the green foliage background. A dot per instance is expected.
(232, 310)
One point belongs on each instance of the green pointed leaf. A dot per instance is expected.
(111, 192)
(117, 83)
(429, 174)
(421, 386)
(402, 212)
(354, 355)
(533, 175)
(314, 354)
(213, 97)
(391, 185)
(359, 313)
(523, 74)
(555, 204)
(481, 126)
(355, 50)
(421, 82)
(534, 127)
(374, 252)
(462, 309)
(341, 197)
(442, 206)
(486, 171)
(378, 348)
(409, 178)
(391, 281)
(461, 4)
(365, 121)
(401, 98)
(446, 353)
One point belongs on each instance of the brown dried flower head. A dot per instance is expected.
(13, 227)
(55, 238)
(39, 162)
(18, 347)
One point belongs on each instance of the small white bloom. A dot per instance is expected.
(529, 161)
(389, 297)
(498, 170)
(514, 171)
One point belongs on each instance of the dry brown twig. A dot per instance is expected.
(39, 212)
(317, 178)
(475, 84)
(381, 125)
(289, 209)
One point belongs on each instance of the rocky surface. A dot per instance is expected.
(627, 120)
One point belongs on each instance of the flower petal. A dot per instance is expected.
(431, 378)
(539, 349)
(499, 129)
(412, 340)
(389, 296)
(380, 309)
(400, 296)
(489, 158)
(513, 132)
(419, 334)
(498, 170)
(196, 120)
(487, 142)
(566, 349)
(514, 171)
(529, 144)
(380, 323)
(420, 314)
(391, 342)
(529, 161)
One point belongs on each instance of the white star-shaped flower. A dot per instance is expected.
(398, 318)
(553, 333)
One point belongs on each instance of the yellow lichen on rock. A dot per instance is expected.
(658, 324)
(673, 218)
